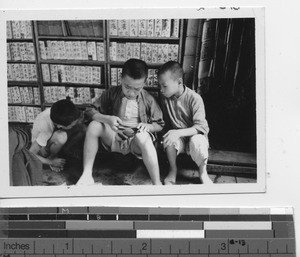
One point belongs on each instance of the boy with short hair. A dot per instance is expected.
(51, 130)
(184, 115)
(124, 122)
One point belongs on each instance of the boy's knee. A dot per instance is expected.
(142, 139)
(198, 148)
(60, 137)
(94, 128)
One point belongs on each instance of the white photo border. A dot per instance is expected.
(7, 191)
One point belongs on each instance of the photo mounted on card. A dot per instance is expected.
(132, 102)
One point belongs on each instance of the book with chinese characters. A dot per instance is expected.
(113, 51)
(166, 28)
(16, 29)
(175, 28)
(9, 33)
(113, 27)
(46, 73)
(142, 28)
(136, 50)
(9, 95)
(42, 49)
(100, 51)
(119, 76)
(92, 52)
(133, 32)
(36, 95)
(158, 27)
(150, 28)
(123, 28)
(8, 54)
(114, 76)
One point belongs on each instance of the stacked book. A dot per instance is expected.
(78, 95)
(21, 72)
(116, 77)
(20, 51)
(72, 50)
(23, 95)
(148, 52)
(144, 28)
(71, 74)
(18, 29)
(22, 113)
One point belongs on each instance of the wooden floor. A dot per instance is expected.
(223, 167)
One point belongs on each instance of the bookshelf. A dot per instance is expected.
(71, 60)
(23, 93)
(155, 41)
(82, 58)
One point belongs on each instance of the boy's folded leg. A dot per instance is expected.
(198, 149)
(74, 146)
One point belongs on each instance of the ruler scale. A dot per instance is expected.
(125, 232)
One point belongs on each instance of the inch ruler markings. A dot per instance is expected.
(125, 231)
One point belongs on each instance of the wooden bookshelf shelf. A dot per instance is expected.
(67, 84)
(95, 42)
(80, 106)
(71, 38)
(24, 104)
(23, 83)
(146, 39)
(31, 62)
(74, 62)
(150, 65)
(13, 40)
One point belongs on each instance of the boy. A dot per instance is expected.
(184, 114)
(121, 111)
(51, 130)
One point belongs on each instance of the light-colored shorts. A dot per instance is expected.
(195, 146)
(124, 147)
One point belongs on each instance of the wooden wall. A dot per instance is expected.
(224, 52)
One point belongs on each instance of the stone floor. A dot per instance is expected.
(116, 170)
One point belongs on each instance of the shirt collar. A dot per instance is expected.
(137, 98)
(174, 97)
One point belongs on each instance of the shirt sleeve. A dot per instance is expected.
(43, 138)
(198, 112)
(100, 105)
(166, 118)
(156, 113)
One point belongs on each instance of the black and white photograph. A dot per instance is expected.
(155, 103)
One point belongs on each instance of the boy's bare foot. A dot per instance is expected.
(205, 179)
(85, 180)
(158, 183)
(171, 178)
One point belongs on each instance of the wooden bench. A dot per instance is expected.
(225, 163)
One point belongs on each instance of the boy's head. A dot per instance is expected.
(64, 114)
(170, 79)
(134, 76)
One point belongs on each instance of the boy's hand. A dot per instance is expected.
(58, 162)
(114, 122)
(144, 127)
(171, 137)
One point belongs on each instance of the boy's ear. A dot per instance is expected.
(180, 81)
